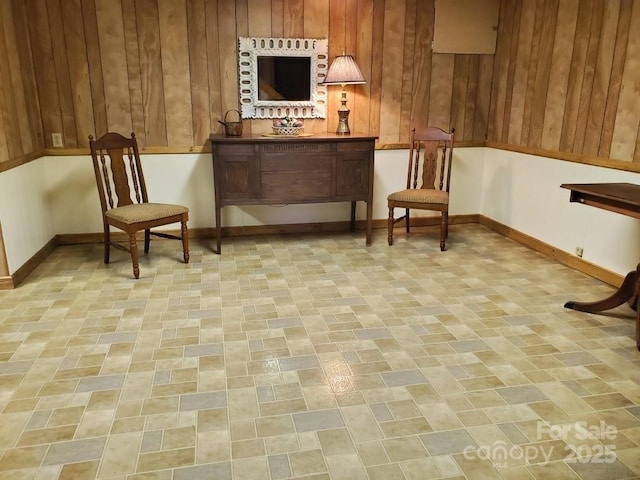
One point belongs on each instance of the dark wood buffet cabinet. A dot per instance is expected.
(272, 170)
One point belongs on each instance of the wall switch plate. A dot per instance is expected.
(56, 138)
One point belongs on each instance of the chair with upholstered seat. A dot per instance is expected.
(428, 176)
(118, 170)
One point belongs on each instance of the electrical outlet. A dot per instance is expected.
(579, 251)
(56, 139)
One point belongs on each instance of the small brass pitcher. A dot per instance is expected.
(232, 129)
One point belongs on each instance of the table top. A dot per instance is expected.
(315, 137)
(627, 193)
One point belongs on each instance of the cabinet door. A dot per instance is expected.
(235, 167)
(353, 168)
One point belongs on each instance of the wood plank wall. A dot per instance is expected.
(564, 79)
(567, 78)
(167, 69)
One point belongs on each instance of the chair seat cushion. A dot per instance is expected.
(144, 212)
(421, 195)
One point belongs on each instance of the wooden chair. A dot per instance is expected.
(428, 176)
(116, 176)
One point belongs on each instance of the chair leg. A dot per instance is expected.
(107, 243)
(147, 240)
(443, 231)
(185, 241)
(446, 228)
(390, 227)
(407, 220)
(133, 249)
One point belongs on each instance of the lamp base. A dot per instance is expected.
(343, 123)
(343, 115)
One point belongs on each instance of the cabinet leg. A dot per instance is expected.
(353, 216)
(218, 232)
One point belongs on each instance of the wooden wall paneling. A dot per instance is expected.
(316, 25)
(313, 15)
(625, 131)
(277, 18)
(4, 145)
(172, 21)
(377, 56)
(76, 53)
(27, 73)
(9, 115)
(500, 70)
(227, 50)
(536, 40)
(94, 64)
(134, 72)
(350, 48)
(422, 56)
(213, 65)
(615, 80)
(523, 57)
(14, 70)
(459, 92)
(151, 72)
(45, 71)
(514, 61)
(442, 68)
(361, 99)
(559, 74)
(295, 17)
(541, 80)
(587, 78)
(259, 18)
(61, 63)
(392, 77)
(337, 46)
(198, 67)
(470, 100)
(574, 86)
(351, 27)
(242, 30)
(602, 75)
(483, 98)
(242, 18)
(406, 99)
(114, 65)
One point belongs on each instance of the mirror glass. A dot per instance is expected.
(282, 77)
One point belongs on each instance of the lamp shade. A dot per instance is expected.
(343, 71)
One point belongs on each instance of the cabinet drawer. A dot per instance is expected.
(292, 187)
(236, 149)
(295, 163)
(355, 147)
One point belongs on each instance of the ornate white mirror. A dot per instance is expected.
(282, 77)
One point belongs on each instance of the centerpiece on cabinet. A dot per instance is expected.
(288, 126)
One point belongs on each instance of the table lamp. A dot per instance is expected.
(343, 71)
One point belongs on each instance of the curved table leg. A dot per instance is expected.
(624, 294)
(628, 292)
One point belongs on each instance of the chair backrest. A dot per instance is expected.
(430, 155)
(116, 163)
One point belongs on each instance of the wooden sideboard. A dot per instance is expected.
(271, 170)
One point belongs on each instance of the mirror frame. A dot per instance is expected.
(250, 48)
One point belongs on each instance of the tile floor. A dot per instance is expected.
(317, 358)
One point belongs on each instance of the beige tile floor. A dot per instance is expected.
(319, 358)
